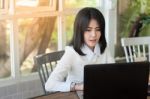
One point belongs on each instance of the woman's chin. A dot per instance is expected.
(92, 45)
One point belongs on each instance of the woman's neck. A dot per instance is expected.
(91, 48)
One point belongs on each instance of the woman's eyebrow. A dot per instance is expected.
(92, 27)
(89, 27)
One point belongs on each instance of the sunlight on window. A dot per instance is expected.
(35, 34)
(31, 35)
(30, 3)
(69, 28)
(1, 4)
(34, 3)
(80, 3)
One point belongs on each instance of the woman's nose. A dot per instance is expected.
(93, 33)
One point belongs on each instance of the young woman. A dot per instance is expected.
(88, 46)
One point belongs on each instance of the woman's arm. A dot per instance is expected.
(56, 80)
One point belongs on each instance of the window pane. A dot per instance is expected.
(36, 35)
(4, 49)
(1, 4)
(69, 27)
(27, 3)
(30, 6)
(34, 3)
(80, 3)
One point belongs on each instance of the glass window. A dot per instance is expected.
(69, 27)
(35, 5)
(36, 36)
(80, 3)
(4, 49)
(1, 4)
(31, 3)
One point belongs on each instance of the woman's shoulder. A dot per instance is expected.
(70, 50)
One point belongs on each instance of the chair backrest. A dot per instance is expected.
(45, 64)
(136, 48)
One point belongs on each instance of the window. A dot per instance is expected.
(34, 35)
(69, 27)
(5, 64)
(22, 32)
(80, 3)
(28, 6)
(31, 27)
(3, 6)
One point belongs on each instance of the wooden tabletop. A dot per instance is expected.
(61, 95)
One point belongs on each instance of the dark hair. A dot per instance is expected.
(82, 21)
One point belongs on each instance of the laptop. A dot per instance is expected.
(116, 81)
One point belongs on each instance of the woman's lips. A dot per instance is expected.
(93, 40)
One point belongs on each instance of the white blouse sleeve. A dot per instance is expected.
(56, 80)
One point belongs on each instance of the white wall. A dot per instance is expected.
(22, 90)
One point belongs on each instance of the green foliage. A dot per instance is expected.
(126, 20)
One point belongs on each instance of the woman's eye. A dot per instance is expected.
(98, 29)
(88, 30)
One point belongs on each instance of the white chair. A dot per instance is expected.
(136, 48)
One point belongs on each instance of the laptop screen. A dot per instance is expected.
(116, 81)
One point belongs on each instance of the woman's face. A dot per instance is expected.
(92, 34)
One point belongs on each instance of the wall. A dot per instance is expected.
(22, 90)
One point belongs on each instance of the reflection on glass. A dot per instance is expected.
(80, 3)
(4, 49)
(69, 28)
(36, 36)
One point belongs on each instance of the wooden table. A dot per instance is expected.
(67, 95)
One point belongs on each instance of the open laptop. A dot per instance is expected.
(116, 81)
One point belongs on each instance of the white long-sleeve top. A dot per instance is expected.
(71, 67)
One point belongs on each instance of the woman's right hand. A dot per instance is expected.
(79, 87)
